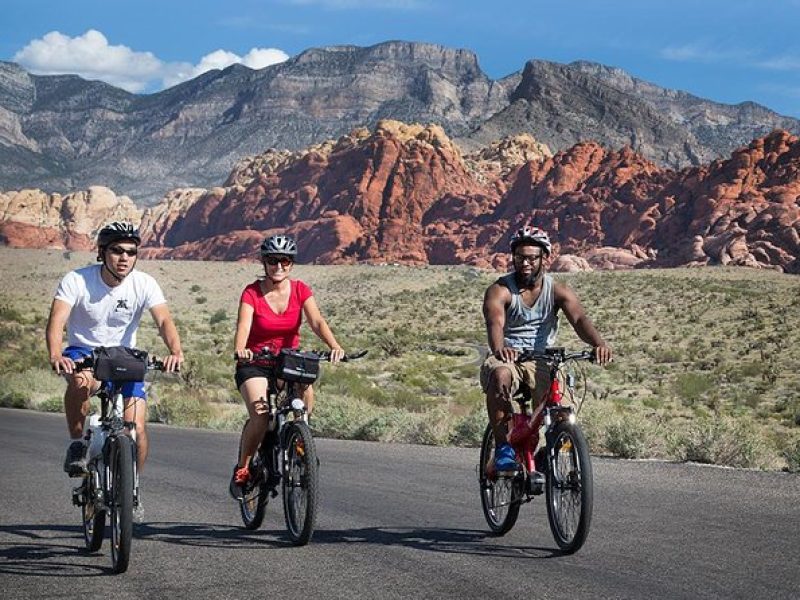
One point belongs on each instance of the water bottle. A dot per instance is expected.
(96, 437)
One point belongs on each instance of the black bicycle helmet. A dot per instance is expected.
(116, 232)
(533, 235)
(279, 244)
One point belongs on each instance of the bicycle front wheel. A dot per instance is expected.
(300, 483)
(254, 498)
(121, 493)
(569, 487)
(500, 496)
(94, 520)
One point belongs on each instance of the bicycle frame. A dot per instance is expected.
(525, 426)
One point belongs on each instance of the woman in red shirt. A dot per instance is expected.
(270, 313)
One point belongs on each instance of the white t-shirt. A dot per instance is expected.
(102, 315)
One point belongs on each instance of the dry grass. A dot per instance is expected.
(702, 355)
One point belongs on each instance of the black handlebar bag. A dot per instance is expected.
(118, 363)
(301, 367)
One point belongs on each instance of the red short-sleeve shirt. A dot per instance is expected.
(272, 330)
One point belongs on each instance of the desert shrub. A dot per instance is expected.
(791, 452)
(432, 428)
(229, 419)
(340, 416)
(175, 405)
(218, 317)
(201, 300)
(394, 425)
(51, 405)
(468, 430)
(627, 437)
(690, 387)
(13, 399)
(723, 441)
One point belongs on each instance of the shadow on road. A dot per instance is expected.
(44, 551)
(455, 541)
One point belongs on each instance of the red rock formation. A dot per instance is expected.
(403, 193)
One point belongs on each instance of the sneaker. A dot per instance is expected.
(239, 479)
(505, 459)
(75, 461)
(138, 513)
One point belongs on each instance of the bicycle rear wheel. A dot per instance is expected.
(300, 483)
(500, 496)
(121, 491)
(254, 499)
(569, 487)
(94, 520)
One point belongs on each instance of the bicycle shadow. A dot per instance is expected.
(450, 541)
(43, 555)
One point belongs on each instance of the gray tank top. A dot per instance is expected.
(534, 327)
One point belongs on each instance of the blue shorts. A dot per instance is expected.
(130, 389)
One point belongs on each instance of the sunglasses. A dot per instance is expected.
(527, 258)
(285, 261)
(119, 251)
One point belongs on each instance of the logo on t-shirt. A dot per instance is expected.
(121, 304)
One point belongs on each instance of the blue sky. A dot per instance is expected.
(728, 51)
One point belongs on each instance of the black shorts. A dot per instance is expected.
(250, 370)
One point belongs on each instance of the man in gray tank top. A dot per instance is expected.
(521, 313)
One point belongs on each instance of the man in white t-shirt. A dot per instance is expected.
(101, 305)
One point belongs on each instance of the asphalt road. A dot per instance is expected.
(395, 522)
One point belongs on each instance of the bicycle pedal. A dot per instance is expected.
(536, 482)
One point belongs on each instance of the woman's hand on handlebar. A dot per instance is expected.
(244, 354)
(337, 354)
(602, 354)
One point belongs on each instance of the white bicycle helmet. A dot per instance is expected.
(533, 235)
(279, 244)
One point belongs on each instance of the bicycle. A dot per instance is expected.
(111, 482)
(563, 460)
(287, 455)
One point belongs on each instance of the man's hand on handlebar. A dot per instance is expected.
(172, 363)
(507, 354)
(62, 364)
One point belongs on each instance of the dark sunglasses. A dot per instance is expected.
(527, 258)
(118, 251)
(274, 260)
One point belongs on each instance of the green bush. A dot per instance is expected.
(627, 438)
(394, 425)
(791, 453)
(719, 441)
(51, 405)
(468, 430)
(340, 416)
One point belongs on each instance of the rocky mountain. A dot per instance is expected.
(35, 219)
(61, 133)
(406, 193)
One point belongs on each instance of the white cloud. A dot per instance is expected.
(705, 53)
(780, 63)
(92, 57)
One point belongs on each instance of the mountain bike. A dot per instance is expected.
(563, 460)
(287, 455)
(111, 482)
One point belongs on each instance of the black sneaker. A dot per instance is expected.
(75, 461)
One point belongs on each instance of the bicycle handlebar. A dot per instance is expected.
(87, 362)
(556, 354)
(265, 354)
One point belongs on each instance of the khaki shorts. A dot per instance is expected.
(536, 375)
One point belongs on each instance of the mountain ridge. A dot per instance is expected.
(62, 133)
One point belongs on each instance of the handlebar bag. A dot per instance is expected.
(301, 367)
(118, 363)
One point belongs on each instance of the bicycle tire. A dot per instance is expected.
(254, 501)
(94, 521)
(570, 488)
(500, 496)
(300, 482)
(121, 505)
